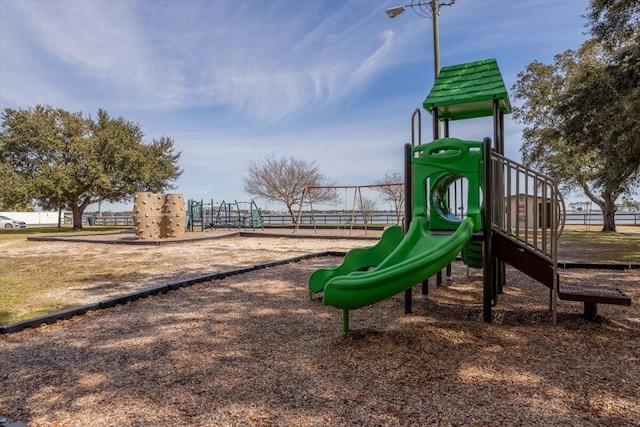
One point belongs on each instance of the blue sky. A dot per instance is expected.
(334, 82)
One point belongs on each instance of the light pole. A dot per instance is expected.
(429, 10)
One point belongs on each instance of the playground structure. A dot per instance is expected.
(358, 205)
(458, 202)
(234, 214)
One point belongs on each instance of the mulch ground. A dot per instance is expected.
(253, 350)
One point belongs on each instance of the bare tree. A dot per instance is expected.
(392, 191)
(284, 179)
(367, 207)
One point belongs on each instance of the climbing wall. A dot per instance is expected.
(158, 216)
(173, 215)
(147, 210)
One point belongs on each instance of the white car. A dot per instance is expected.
(6, 222)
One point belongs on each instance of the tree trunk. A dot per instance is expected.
(77, 217)
(293, 217)
(399, 212)
(609, 216)
(608, 206)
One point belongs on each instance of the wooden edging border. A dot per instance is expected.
(153, 290)
(593, 266)
(91, 238)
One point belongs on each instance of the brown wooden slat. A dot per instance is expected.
(593, 294)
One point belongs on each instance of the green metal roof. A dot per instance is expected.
(466, 91)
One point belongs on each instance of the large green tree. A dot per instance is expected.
(614, 21)
(580, 113)
(71, 160)
(14, 189)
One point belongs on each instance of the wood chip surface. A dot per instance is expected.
(252, 350)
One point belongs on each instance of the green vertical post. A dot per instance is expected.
(345, 321)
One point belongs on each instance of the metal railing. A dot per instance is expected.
(116, 221)
(381, 218)
(533, 211)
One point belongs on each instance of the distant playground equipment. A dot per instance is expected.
(227, 216)
(358, 204)
(158, 216)
(196, 215)
(459, 204)
(224, 215)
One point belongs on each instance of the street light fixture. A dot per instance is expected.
(429, 10)
(395, 11)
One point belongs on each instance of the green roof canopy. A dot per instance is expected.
(467, 91)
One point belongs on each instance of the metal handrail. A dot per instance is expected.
(539, 227)
(414, 127)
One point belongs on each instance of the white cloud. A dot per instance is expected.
(269, 61)
(374, 62)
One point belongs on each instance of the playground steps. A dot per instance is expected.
(518, 255)
(592, 295)
(540, 268)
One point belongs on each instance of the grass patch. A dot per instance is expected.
(598, 247)
(35, 284)
(21, 303)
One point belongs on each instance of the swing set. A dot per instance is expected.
(357, 198)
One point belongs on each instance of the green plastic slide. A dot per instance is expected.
(419, 256)
(359, 259)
